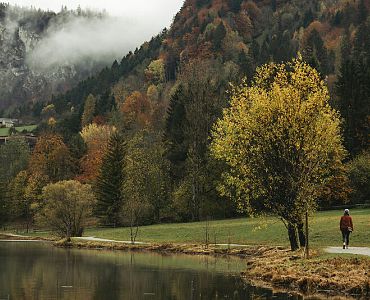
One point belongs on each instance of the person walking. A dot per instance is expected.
(346, 227)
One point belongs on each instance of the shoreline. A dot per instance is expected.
(276, 268)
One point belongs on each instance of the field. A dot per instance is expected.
(324, 231)
(28, 128)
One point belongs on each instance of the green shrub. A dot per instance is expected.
(359, 175)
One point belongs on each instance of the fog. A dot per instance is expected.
(81, 39)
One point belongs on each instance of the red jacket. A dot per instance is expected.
(345, 222)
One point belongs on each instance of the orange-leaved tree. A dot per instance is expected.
(52, 158)
(96, 138)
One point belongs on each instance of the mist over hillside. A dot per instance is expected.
(44, 53)
(82, 39)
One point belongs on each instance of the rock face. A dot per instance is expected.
(18, 83)
(21, 82)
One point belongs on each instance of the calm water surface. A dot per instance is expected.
(30, 270)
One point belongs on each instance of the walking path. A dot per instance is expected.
(94, 239)
(352, 250)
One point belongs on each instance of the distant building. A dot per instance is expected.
(8, 123)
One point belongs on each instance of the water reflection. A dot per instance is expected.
(39, 271)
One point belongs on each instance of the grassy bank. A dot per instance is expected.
(348, 277)
(324, 231)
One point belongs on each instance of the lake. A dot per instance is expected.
(37, 270)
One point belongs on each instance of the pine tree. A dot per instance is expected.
(218, 36)
(354, 92)
(110, 181)
(234, 5)
(315, 53)
(89, 110)
(201, 3)
(246, 65)
(174, 134)
(362, 12)
(273, 5)
(264, 54)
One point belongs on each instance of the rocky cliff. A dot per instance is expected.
(23, 80)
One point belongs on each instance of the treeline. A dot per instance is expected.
(138, 133)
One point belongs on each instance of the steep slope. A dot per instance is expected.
(239, 35)
(249, 33)
(27, 73)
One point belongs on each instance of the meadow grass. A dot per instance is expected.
(28, 128)
(324, 231)
(4, 131)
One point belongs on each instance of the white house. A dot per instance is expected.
(8, 123)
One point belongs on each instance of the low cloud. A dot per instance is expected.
(82, 40)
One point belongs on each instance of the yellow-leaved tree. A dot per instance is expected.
(281, 141)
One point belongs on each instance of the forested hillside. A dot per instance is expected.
(139, 131)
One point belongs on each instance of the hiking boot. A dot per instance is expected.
(344, 246)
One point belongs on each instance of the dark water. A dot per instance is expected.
(31, 270)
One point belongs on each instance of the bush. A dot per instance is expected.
(359, 175)
(67, 205)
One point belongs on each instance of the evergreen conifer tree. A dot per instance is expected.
(354, 92)
(218, 36)
(315, 53)
(246, 65)
(109, 183)
(174, 134)
(234, 5)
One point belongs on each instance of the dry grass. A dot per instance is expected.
(284, 269)
(22, 238)
(191, 249)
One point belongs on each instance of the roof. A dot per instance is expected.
(8, 120)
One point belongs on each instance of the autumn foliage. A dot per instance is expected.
(52, 158)
(96, 138)
(136, 110)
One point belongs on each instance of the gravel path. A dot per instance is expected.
(352, 250)
(94, 239)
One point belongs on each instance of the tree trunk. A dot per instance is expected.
(68, 237)
(194, 204)
(292, 233)
(301, 234)
(307, 251)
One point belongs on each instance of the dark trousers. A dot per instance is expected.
(345, 236)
